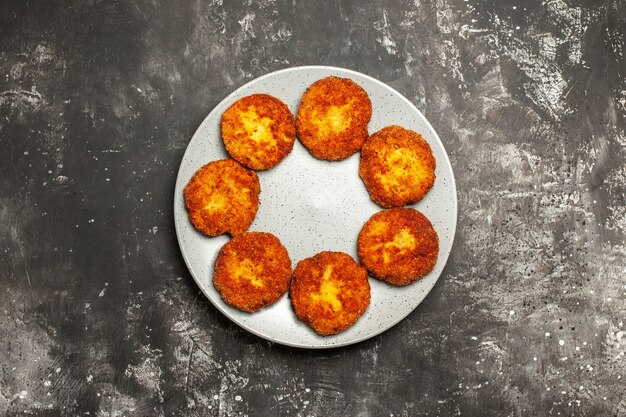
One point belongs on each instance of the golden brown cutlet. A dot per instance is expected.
(397, 167)
(258, 131)
(222, 197)
(252, 271)
(329, 292)
(332, 118)
(398, 246)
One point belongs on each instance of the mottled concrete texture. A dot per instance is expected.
(99, 315)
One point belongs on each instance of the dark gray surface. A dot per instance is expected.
(99, 315)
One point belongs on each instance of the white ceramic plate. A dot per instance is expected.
(313, 206)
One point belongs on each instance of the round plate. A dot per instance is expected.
(314, 206)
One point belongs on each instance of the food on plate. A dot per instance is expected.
(258, 131)
(222, 197)
(252, 271)
(332, 119)
(329, 292)
(398, 246)
(397, 166)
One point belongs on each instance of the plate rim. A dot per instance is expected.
(177, 187)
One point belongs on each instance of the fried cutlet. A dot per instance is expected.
(398, 246)
(332, 118)
(258, 131)
(222, 197)
(397, 166)
(329, 292)
(252, 271)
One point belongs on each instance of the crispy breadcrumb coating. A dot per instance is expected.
(332, 118)
(258, 131)
(398, 246)
(222, 197)
(397, 167)
(329, 292)
(252, 271)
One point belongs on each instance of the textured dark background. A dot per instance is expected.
(98, 314)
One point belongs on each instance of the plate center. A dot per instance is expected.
(313, 205)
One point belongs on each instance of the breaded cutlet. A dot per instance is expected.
(332, 118)
(398, 246)
(258, 131)
(397, 167)
(252, 271)
(329, 292)
(222, 197)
